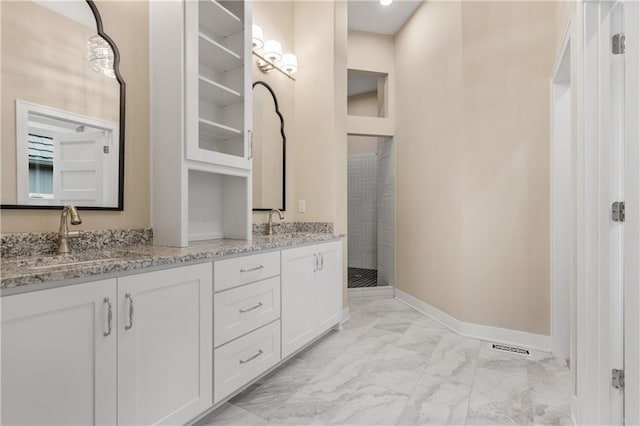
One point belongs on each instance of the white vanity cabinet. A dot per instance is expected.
(59, 356)
(200, 73)
(165, 333)
(132, 350)
(246, 320)
(311, 293)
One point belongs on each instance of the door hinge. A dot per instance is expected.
(617, 211)
(618, 44)
(617, 378)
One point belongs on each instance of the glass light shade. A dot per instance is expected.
(273, 51)
(100, 56)
(257, 37)
(289, 63)
(386, 2)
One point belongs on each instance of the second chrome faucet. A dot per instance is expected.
(270, 223)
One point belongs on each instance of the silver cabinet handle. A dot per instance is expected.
(128, 326)
(321, 261)
(252, 357)
(107, 302)
(315, 262)
(250, 144)
(257, 268)
(242, 311)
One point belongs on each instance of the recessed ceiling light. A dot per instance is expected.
(386, 2)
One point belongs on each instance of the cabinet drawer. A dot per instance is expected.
(242, 270)
(243, 309)
(239, 362)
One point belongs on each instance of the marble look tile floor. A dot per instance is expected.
(391, 365)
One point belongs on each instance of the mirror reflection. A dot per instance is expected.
(269, 144)
(60, 107)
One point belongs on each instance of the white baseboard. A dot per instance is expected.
(346, 316)
(483, 332)
(574, 410)
(370, 293)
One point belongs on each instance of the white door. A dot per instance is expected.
(329, 285)
(165, 350)
(59, 356)
(632, 223)
(612, 190)
(298, 298)
(600, 288)
(78, 168)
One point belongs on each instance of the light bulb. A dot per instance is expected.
(289, 63)
(273, 51)
(257, 39)
(386, 2)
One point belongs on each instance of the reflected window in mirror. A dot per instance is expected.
(366, 94)
(62, 107)
(269, 150)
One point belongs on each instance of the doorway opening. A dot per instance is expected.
(371, 221)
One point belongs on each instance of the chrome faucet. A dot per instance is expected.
(64, 234)
(270, 223)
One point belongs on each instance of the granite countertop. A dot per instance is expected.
(40, 270)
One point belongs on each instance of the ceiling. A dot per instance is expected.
(371, 16)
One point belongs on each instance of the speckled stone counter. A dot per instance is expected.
(24, 274)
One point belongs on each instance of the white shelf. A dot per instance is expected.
(217, 20)
(216, 56)
(216, 131)
(217, 93)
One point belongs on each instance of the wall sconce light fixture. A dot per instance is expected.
(270, 55)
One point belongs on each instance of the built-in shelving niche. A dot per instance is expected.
(221, 56)
(218, 206)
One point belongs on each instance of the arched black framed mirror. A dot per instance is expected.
(63, 108)
(269, 150)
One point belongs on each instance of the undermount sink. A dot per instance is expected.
(59, 261)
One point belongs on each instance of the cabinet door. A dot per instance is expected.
(165, 345)
(58, 366)
(218, 82)
(329, 285)
(298, 298)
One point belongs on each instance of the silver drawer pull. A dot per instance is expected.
(107, 302)
(242, 311)
(252, 357)
(128, 326)
(257, 268)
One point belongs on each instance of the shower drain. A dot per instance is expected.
(512, 349)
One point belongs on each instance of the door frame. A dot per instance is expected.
(562, 294)
(391, 139)
(632, 225)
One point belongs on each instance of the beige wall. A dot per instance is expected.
(362, 104)
(473, 185)
(314, 107)
(429, 146)
(277, 21)
(374, 53)
(127, 24)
